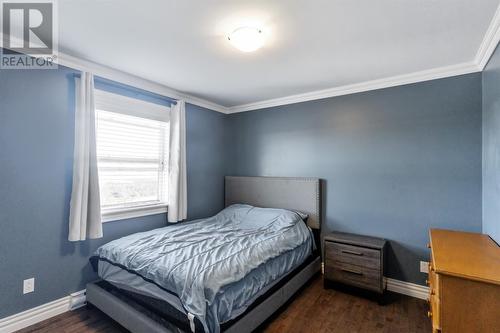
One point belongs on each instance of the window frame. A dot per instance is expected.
(117, 103)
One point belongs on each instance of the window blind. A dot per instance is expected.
(132, 155)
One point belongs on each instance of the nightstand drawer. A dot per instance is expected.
(355, 260)
(354, 275)
(354, 255)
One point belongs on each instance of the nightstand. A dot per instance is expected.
(355, 260)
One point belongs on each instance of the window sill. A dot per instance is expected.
(128, 213)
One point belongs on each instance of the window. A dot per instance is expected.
(132, 152)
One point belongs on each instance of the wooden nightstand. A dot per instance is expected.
(355, 260)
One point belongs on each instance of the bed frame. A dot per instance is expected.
(301, 194)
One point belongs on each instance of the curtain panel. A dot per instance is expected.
(85, 206)
(177, 183)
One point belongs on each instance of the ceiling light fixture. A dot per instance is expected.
(247, 39)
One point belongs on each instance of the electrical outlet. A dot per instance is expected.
(28, 286)
(424, 267)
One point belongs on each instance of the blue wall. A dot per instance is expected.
(491, 147)
(396, 161)
(206, 161)
(36, 157)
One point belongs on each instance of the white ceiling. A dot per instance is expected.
(311, 45)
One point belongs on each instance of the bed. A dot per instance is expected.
(226, 273)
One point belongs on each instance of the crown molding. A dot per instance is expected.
(490, 41)
(110, 73)
(135, 81)
(426, 75)
(484, 53)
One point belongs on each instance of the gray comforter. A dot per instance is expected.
(204, 261)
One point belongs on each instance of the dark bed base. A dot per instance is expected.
(139, 315)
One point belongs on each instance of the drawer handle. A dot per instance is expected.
(352, 252)
(351, 271)
(429, 314)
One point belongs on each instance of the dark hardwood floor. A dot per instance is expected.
(313, 310)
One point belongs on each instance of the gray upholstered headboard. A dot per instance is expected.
(301, 194)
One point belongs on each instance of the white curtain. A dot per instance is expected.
(85, 207)
(177, 185)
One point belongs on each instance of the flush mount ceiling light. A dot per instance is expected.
(247, 39)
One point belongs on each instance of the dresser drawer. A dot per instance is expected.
(433, 282)
(434, 302)
(434, 313)
(354, 255)
(353, 275)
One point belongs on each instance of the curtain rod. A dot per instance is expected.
(120, 85)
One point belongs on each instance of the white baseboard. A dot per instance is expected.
(42, 312)
(407, 288)
(78, 299)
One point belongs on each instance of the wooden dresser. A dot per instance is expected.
(355, 260)
(464, 282)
